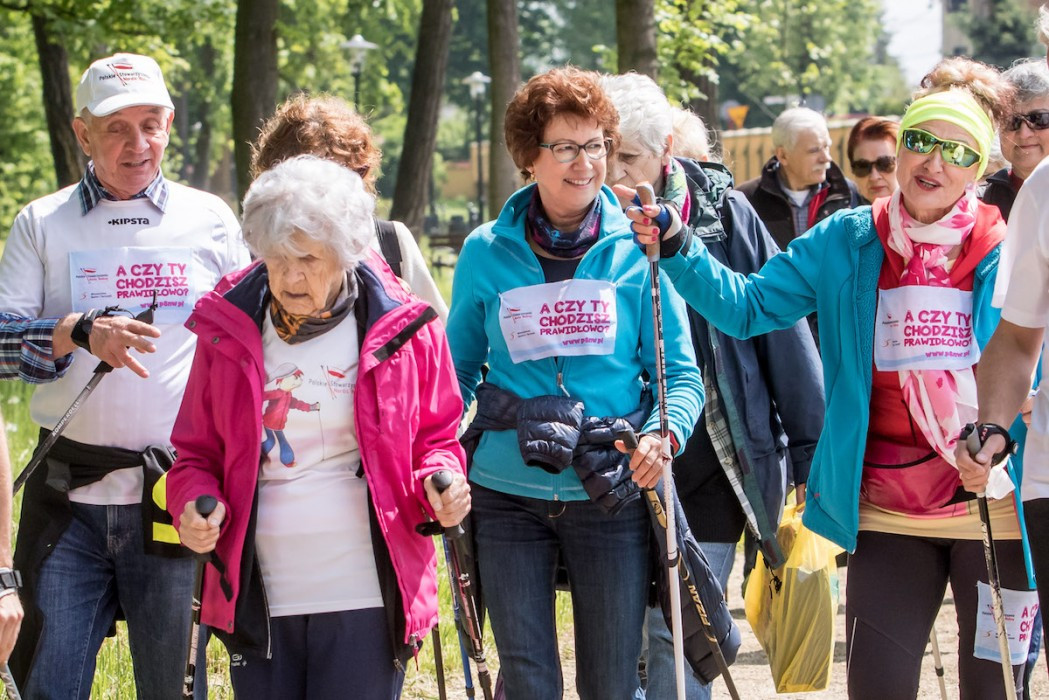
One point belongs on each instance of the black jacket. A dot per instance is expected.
(773, 207)
(1000, 192)
(771, 386)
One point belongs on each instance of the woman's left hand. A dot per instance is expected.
(646, 461)
(453, 504)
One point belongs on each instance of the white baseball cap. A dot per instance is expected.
(122, 80)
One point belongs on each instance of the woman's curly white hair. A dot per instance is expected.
(325, 202)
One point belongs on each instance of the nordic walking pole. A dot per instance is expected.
(466, 592)
(937, 663)
(973, 443)
(648, 197)
(468, 679)
(9, 683)
(100, 371)
(438, 662)
(205, 505)
(630, 441)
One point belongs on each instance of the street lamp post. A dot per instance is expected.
(358, 48)
(477, 81)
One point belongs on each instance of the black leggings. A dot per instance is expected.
(894, 589)
(1036, 513)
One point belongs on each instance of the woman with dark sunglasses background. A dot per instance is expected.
(903, 291)
(1025, 134)
(872, 156)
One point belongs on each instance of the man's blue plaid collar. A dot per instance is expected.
(91, 191)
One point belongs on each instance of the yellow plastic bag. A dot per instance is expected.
(792, 609)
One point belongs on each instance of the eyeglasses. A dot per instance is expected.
(567, 151)
(1037, 120)
(884, 164)
(952, 152)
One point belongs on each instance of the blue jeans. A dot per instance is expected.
(662, 683)
(98, 565)
(518, 541)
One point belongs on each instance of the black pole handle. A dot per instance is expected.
(206, 505)
(441, 480)
(629, 438)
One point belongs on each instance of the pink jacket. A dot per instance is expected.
(406, 408)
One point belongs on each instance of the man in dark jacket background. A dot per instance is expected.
(800, 185)
(764, 396)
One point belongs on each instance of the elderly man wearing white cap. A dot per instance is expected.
(88, 548)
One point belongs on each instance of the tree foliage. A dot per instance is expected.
(1006, 33)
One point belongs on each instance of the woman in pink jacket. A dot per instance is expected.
(319, 585)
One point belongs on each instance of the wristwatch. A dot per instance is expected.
(10, 578)
(82, 329)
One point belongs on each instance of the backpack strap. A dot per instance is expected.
(391, 249)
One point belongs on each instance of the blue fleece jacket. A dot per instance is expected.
(496, 258)
(832, 270)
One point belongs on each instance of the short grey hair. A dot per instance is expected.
(1030, 77)
(1043, 25)
(690, 135)
(324, 201)
(645, 114)
(791, 123)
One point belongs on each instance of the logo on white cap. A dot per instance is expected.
(124, 80)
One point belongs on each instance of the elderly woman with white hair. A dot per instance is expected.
(751, 380)
(1025, 134)
(320, 586)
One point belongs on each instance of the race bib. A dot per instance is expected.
(127, 277)
(920, 327)
(559, 319)
(1020, 609)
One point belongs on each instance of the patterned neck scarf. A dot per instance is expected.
(939, 401)
(675, 189)
(563, 244)
(292, 328)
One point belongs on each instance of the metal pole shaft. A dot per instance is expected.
(478, 104)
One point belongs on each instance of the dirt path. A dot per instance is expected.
(751, 671)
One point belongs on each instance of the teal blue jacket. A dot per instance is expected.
(497, 258)
(832, 270)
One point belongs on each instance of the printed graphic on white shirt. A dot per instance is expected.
(127, 277)
(313, 508)
(559, 319)
(919, 327)
(1020, 608)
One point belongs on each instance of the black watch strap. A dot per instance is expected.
(81, 333)
(10, 578)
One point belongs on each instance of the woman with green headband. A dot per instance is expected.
(903, 291)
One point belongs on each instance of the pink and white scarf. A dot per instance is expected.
(939, 401)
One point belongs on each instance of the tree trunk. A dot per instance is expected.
(254, 95)
(504, 63)
(58, 104)
(202, 148)
(636, 36)
(420, 130)
(707, 106)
